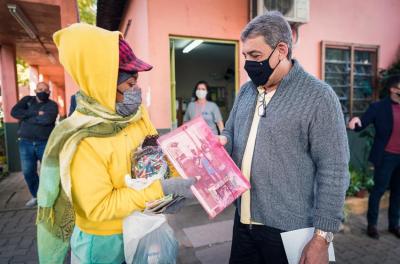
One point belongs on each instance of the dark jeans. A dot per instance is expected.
(388, 173)
(260, 244)
(30, 153)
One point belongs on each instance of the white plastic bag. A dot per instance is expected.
(141, 183)
(148, 239)
(157, 247)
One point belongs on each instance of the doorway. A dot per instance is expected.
(195, 59)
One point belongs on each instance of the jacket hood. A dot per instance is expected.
(90, 55)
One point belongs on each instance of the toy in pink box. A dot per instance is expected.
(194, 151)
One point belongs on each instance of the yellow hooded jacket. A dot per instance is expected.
(100, 198)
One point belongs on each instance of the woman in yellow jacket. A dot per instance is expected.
(82, 194)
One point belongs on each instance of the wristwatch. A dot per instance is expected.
(328, 236)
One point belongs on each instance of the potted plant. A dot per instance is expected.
(360, 183)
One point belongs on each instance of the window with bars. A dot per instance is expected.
(351, 70)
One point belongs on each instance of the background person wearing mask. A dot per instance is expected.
(207, 109)
(37, 116)
(83, 197)
(384, 155)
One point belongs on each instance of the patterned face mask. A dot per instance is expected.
(131, 102)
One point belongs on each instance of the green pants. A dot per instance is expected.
(87, 248)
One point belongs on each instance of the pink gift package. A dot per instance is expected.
(195, 151)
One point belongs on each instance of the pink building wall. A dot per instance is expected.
(371, 22)
(8, 81)
(223, 19)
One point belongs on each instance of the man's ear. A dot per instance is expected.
(283, 50)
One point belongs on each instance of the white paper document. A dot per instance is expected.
(295, 241)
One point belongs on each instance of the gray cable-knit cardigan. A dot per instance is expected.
(299, 171)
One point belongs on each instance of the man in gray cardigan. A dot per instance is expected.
(286, 132)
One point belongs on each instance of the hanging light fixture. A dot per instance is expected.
(28, 26)
(21, 18)
(192, 45)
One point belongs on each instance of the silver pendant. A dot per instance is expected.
(261, 110)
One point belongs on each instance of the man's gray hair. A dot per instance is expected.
(273, 27)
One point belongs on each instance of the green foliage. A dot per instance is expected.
(362, 178)
(346, 212)
(3, 158)
(368, 135)
(22, 72)
(87, 11)
(359, 180)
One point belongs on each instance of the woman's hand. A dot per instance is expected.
(354, 122)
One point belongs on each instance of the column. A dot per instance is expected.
(9, 92)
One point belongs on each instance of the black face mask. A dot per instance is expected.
(43, 96)
(260, 71)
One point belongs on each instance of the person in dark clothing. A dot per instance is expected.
(72, 105)
(37, 116)
(385, 155)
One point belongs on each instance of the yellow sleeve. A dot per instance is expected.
(93, 193)
(174, 173)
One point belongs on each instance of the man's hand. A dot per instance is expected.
(354, 122)
(315, 252)
(41, 113)
(222, 140)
